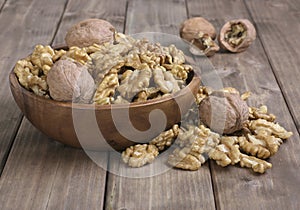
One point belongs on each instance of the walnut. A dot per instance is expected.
(180, 71)
(42, 58)
(261, 113)
(106, 89)
(227, 152)
(139, 155)
(70, 81)
(180, 158)
(135, 82)
(190, 28)
(165, 80)
(202, 93)
(148, 93)
(166, 138)
(237, 35)
(257, 165)
(89, 32)
(269, 128)
(195, 143)
(77, 54)
(205, 43)
(29, 78)
(110, 56)
(254, 146)
(223, 112)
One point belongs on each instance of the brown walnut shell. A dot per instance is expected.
(89, 32)
(245, 38)
(190, 28)
(70, 81)
(224, 112)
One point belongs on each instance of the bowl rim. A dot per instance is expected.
(16, 84)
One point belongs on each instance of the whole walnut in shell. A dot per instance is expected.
(190, 28)
(70, 81)
(224, 112)
(237, 35)
(201, 33)
(89, 32)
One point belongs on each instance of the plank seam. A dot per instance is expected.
(272, 68)
(12, 140)
(2, 6)
(105, 197)
(213, 185)
(60, 21)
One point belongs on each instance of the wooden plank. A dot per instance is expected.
(234, 187)
(22, 26)
(279, 28)
(28, 176)
(171, 188)
(69, 180)
(112, 11)
(155, 16)
(88, 189)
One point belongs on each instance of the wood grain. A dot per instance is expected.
(278, 29)
(155, 16)
(170, 189)
(63, 177)
(234, 187)
(22, 26)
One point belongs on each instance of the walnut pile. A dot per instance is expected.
(193, 146)
(145, 70)
(258, 140)
(121, 71)
(139, 155)
(32, 71)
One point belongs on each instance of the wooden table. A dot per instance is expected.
(39, 173)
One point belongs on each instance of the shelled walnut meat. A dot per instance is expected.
(237, 35)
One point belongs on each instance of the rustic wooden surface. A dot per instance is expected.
(38, 173)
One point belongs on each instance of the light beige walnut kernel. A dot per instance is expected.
(31, 81)
(77, 54)
(166, 138)
(257, 165)
(139, 155)
(135, 82)
(261, 113)
(148, 93)
(106, 89)
(194, 143)
(254, 146)
(227, 152)
(270, 128)
(165, 80)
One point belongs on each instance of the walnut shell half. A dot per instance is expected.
(89, 32)
(224, 112)
(237, 35)
(70, 81)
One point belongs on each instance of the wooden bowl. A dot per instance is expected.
(103, 127)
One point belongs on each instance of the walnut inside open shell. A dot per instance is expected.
(237, 35)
